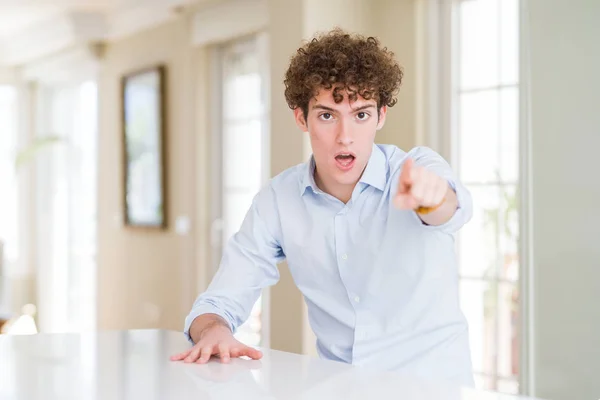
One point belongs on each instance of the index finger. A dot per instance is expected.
(181, 356)
(406, 173)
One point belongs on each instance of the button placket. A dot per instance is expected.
(341, 253)
(340, 246)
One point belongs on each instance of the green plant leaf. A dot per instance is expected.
(28, 153)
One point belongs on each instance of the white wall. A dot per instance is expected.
(564, 45)
(146, 278)
(7, 75)
(395, 23)
(285, 35)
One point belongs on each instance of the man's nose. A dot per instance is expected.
(344, 134)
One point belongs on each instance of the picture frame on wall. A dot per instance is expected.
(143, 125)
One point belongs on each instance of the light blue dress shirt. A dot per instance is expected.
(380, 285)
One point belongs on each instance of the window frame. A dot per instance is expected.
(259, 40)
(64, 312)
(440, 118)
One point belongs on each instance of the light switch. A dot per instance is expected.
(182, 225)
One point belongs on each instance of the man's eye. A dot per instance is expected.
(362, 116)
(326, 116)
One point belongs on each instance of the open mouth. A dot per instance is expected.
(345, 161)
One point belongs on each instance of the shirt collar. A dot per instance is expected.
(308, 177)
(376, 170)
(373, 175)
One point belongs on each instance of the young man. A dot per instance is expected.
(367, 230)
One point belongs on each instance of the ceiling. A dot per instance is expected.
(31, 29)
(16, 15)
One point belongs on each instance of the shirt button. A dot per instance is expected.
(344, 256)
(357, 299)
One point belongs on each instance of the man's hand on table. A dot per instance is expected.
(213, 337)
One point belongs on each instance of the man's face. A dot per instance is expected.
(341, 136)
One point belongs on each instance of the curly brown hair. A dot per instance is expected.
(351, 64)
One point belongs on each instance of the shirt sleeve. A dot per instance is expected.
(249, 264)
(427, 158)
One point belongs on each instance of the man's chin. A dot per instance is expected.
(347, 179)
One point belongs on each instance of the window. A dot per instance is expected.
(242, 159)
(9, 227)
(485, 137)
(66, 207)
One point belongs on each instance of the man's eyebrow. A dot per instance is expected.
(322, 107)
(363, 107)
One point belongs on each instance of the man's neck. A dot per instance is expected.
(341, 192)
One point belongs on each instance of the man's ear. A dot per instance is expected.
(300, 119)
(382, 114)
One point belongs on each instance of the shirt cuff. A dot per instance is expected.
(456, 221)
(201, 310)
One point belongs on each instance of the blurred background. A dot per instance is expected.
(134, 134)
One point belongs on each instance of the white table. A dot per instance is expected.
(135, 365)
